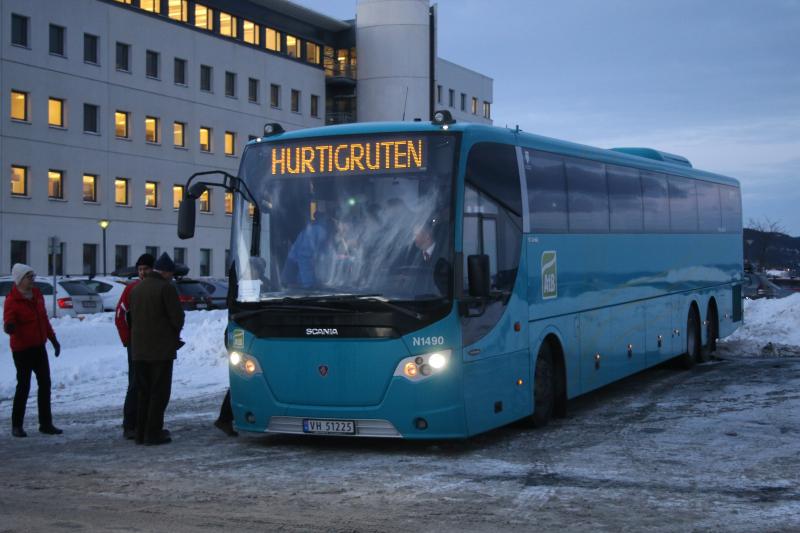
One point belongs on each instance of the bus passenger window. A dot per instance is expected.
(587, 196)
(625, 199)
(731, 208)
(682, 205)
(710, 218)
(656, 204)
(547, 192)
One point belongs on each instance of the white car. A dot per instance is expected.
(69, 298)
(108, 287)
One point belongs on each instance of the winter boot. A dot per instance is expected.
(18, 432)
(50, 430)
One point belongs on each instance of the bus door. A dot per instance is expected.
(497, 388)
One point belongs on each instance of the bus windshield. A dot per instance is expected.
(362, 217)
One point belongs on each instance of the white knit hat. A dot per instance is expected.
(19, 271)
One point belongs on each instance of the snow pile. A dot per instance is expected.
(92, 370)
(770, 320)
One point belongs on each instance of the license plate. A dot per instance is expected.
(335, 427)
(201, 306)
(90, 304)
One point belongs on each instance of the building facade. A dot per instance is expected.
(109, 105)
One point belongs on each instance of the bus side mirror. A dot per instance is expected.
(186, 218)
(478, 275)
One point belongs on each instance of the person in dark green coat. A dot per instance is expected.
(156, 320)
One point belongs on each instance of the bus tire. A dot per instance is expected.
(544, 390)
(693, 341)
(712, 332)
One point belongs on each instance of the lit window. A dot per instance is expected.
(228, 203)
(273, 40)
(314, 105)
(150, 194)
(19, 105)
(154, 6)
(89, 188)
(178, 10)
(179, 134)
(312, 53)
(19, 181)
(205, 202)
(295, 101)
(129, 2)
(474, 106)
(227, 25)
(230, 143)
(55, 112)
(203, 17)
(205, 139)
(293, 46)
(55, 184)
(121, 191)
(177, 196)
(151, 130)
(252, 32)
(121, 124)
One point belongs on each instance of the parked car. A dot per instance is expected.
(108, 287)
(72, 298)
(756, 285)
(193, 295)
(218, 290)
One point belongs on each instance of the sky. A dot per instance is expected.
(717, 81)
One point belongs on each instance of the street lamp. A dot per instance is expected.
(104, 226)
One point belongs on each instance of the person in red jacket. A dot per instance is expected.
(144, 265)
(25, 320)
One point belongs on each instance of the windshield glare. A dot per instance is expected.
(347, 216)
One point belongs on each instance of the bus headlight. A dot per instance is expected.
(419, 367)
(244, 364)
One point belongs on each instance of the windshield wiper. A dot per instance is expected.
(372, 298)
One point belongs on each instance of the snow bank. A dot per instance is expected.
(92, 370)
(775, 321)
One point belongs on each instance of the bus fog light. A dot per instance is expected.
(235, 358)
(437, 361)
(410, 369)
(249, 366)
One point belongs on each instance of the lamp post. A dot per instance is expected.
(104, 226)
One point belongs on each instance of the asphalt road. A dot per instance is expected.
(716, 448)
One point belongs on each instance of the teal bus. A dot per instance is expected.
(435, 280)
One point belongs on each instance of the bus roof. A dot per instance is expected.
(641, 158)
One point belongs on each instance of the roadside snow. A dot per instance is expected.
(92, 371)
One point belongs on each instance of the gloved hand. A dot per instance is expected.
(10, 327)
(56, 346)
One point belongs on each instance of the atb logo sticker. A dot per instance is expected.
(549, 275)
(238, 338)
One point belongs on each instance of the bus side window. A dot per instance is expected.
(682, 205)
(625, 199)
(710, 218)
(547, 191)
(587, 196)
(656, 205)
(731, 208)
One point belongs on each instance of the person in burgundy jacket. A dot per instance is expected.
(25, 320)
(144, 265)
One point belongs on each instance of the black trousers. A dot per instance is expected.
(27, 361)
(154, 385)
(225, 411)
(129, 409)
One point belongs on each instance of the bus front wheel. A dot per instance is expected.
(544, 389)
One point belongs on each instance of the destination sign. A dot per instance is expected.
(374, 156)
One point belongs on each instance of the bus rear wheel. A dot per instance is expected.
(712, 333)
(544, 388)
(694, 345)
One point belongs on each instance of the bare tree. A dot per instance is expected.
(768, 230)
